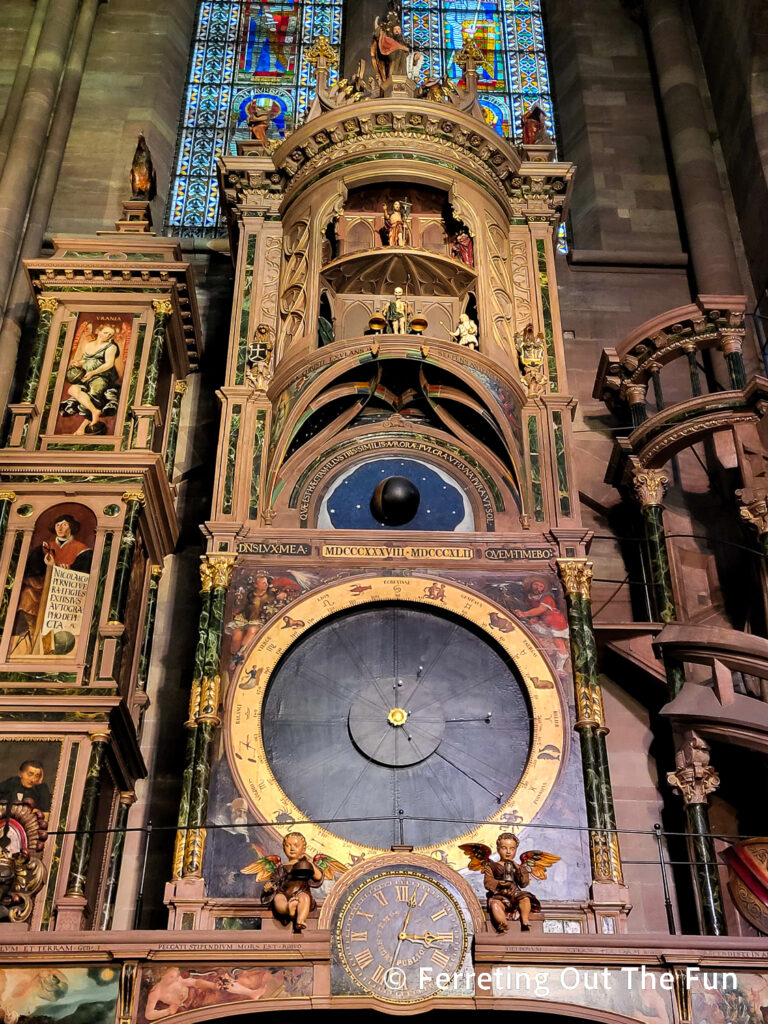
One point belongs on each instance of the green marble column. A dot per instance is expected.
(730, 346)
(576, 575)
(179, 390)
(112, 880)
(47, 308)
(693, 369)
(134, 501)
(190, 726)
(148, 632)
(650, 486)
(7, 499)
(208, 720)
(163, 310)
(694, 778)
(86, 822)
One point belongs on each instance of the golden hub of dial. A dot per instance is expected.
(397, 716)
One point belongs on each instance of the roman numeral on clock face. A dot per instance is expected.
(378, 975)
(440, 958)
(403, 894)
(439, 914)
(443, 936)
(363, 958)
(360, 937)
(381, 899)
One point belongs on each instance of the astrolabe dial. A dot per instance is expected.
(400, 935)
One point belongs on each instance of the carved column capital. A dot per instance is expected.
(693, 777)
(47, 305)
(756, 514)
(206, 576)
(634, 394)
(180, 387)
(221, 568)
(162, 307)
(8, 496)
(139, 496)
(128, 798)
(576, 574)
(650, 486)
(156, 572)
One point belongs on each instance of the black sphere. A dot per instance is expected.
(395, 501)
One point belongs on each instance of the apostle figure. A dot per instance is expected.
(389, 48)
(463, 249)
(397, 224)
(535, 128)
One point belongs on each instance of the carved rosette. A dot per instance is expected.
(693, 777)
(650, 486)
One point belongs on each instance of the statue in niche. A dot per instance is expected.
(143, 175)
(389, 47)
(466, 331)
(506, 879)
(259, 118)
(288, 887)
(462, 248)
(535, 128)
(397, 224)
(398, 314)
(532, 354)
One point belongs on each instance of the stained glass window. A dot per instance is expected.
(246, 52)
(510, 34)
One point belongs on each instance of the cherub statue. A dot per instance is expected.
(397, 224)
(466, 332)
(288, 887)
(398, 314)
(506, 880)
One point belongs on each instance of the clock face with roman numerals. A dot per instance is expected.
(397, 932)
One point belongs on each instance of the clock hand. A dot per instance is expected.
(411, 905)
(427, 939)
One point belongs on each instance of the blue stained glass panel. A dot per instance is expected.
(244, 51)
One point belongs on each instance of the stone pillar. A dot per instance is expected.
(127, 799)
(148, 633)
(7, 499)
(693, 778)
(190, 726)
(45, 187)
(30, 133)
(81, 850)
(576, 576)
(13, 106)
(179, 390)
(134, 501)
(698, 184)
(650, 486)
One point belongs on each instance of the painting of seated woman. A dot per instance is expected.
(93, 378)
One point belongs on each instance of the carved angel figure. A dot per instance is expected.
(507, 879)
(288, 886)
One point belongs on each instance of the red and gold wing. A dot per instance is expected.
(328, 865)
(263, 868)
(537, 862)
(479, 854)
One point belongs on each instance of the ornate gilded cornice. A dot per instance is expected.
(693, 777)
(650, 486)
(576, 575)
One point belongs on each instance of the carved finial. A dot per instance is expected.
(470, 51)
(321, 49)
(693, 777)
(650, 486)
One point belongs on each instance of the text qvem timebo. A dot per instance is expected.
(504, 980)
